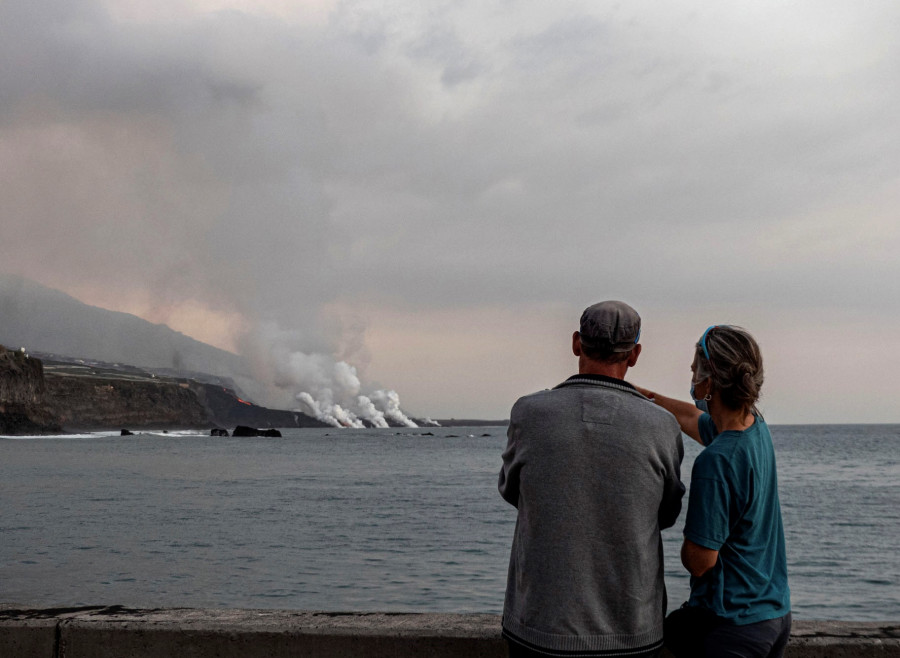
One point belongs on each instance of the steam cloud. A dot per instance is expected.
(336, 397)
(322, 385)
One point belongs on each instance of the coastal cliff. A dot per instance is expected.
(22, 394)
(96, 403)
(73, 395)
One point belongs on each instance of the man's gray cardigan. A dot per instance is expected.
(594, 469)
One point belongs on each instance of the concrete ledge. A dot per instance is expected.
(107, 632)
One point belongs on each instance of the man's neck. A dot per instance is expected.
(590, 367)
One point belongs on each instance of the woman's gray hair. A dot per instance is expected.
(735, 365)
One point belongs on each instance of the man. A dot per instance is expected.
(594, 469)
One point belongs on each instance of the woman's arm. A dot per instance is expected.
(685, 413)
(697, 559)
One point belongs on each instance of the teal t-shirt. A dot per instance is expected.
(733, 508)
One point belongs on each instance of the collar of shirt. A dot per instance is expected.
(597, 379)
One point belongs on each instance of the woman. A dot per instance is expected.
(733, 534)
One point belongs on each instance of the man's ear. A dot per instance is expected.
(576, 344)
(633, 356)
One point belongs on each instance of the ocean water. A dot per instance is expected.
(386, 520)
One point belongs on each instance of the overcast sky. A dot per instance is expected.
(433, 191)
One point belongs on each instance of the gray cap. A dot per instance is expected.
(610, 326)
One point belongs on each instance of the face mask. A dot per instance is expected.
(702, 405)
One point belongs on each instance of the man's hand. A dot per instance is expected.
(646, 392)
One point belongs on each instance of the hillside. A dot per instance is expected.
(51, 322)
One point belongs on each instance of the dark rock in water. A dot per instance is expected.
(485, 434)
(216, 431)
(243, 430)
(427, 434)
(126, 433)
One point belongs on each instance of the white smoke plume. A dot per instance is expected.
(370, 412)
(323, 386)
(389, 403)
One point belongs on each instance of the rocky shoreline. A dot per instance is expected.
(55, 395)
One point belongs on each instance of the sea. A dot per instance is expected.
(380, 520)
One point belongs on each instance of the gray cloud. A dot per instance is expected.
(465, 154)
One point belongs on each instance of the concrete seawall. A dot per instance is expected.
(115, 632)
